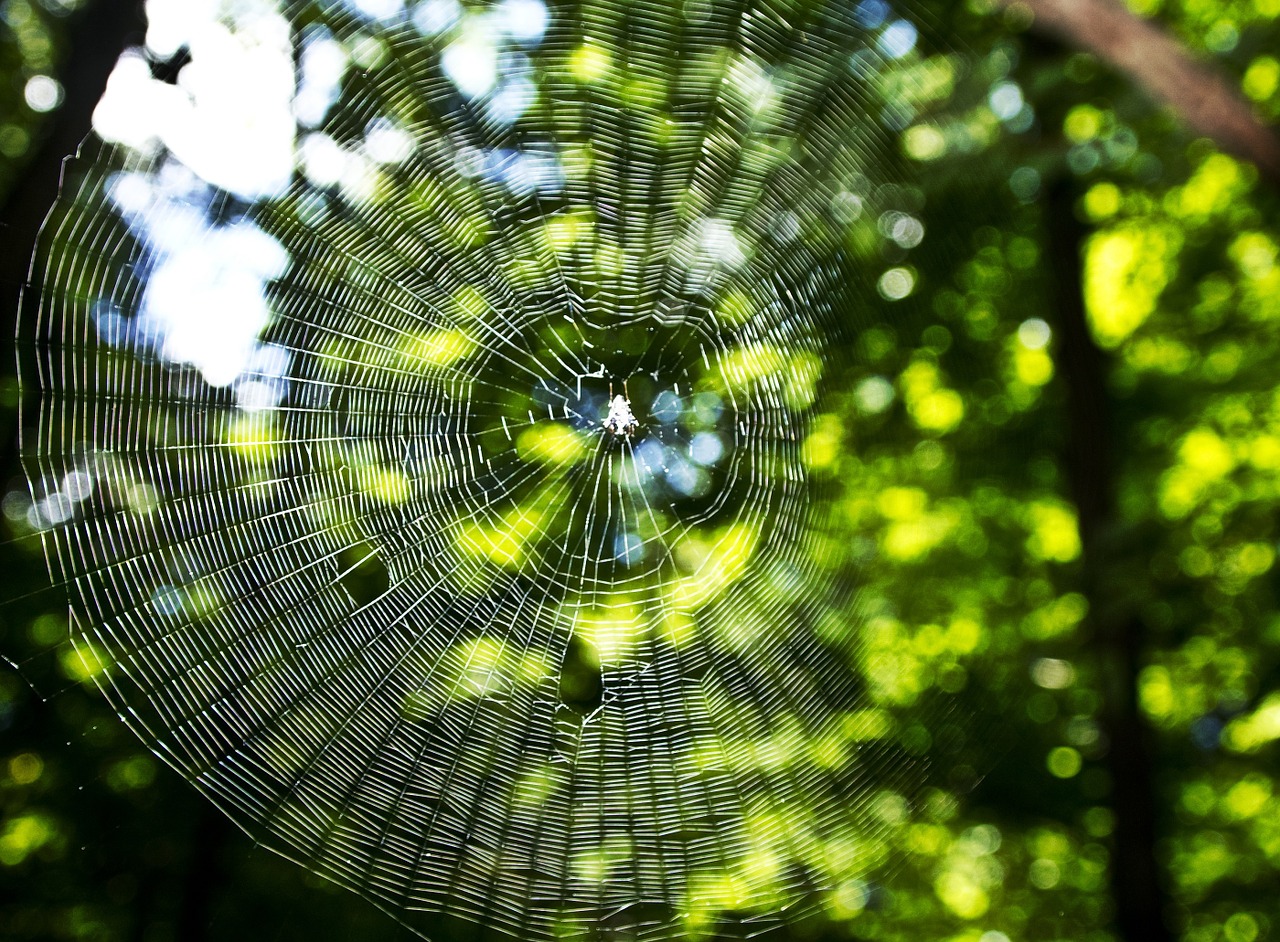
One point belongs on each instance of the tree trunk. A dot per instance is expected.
(1136, 878)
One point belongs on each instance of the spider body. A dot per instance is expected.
(621, 421)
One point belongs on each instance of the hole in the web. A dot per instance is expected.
(362, 573)
(581, 685)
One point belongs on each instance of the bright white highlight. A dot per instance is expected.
(525, 21)
(1034, 333)
(324, 62)
(207, 302)
(897, 283)
(42, 93)
(472, 63)
(377, 9)
(1005, 100)
(230, 116)
(433, 17)
(385, 143)
(898, 39)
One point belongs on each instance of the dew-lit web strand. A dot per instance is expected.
(302, 538)
(729, 120)
(321, 839)
(430, 307)
(460, 131)
(192, 498)
(363, 364)
(541, 603)
(600, 125)
(176, 401)
(445, 318)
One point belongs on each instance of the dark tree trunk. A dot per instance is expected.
(1136, 879)
(205, 876)
(95, 37)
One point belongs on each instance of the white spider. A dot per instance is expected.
(621, 421)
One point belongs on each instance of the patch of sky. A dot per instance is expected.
(865, 64)
(684, 477)
(1005, 100)
(471, 61)
(322, 159)
(113, 326)
(263, 382)
(511, 101)
(785, 227)
(56, 508)
(896, 284)
(167, 600)
(651, 456)
(322, 64)
(524, 21)
(60, 503)
(677, 469)
(871, 14)
(230, 115)
(898, 39)
(718, 241)
(628, 548)
(706, 448)
(666, 407)
(478, 58)
(386, 142)
(382, 10)
(204, 303)
(434, 17)
(846, 207)
(1025, 183)
(522, 172)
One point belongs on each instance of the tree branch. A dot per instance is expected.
(1206, 101)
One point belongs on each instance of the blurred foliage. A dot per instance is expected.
(31, 56)
(945, 441)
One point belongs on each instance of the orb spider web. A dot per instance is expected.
(392, 592)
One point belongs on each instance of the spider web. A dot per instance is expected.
(391, 593)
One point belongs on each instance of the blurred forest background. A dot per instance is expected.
(1073, 426)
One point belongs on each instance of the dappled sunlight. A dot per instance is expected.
(643, 469)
